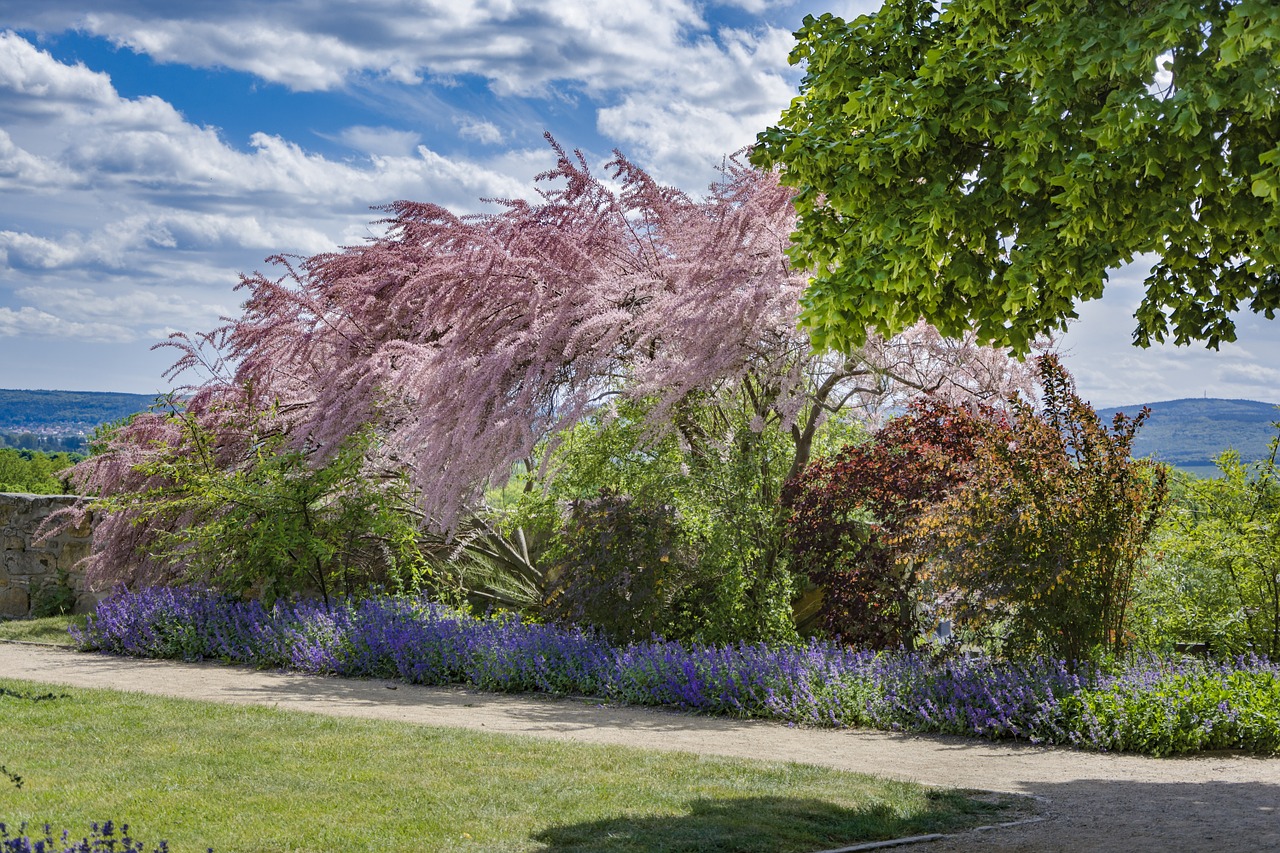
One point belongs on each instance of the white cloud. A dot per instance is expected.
(1250, 374)
(380, 140)
(135, 307)
(683, 123)
(29, 321)
(485, 132)
(22, 170)
(131, 220)
(26, 71)
(646, 65)
(27, 251)
(261, 45)
(310, 45)
(119, 244)
(145, 145)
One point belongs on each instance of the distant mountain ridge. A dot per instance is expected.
(1189, 433)
(60, 420)
(69, 410)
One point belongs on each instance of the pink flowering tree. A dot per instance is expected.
(468, 346)
(470, 341)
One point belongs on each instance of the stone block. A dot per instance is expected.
(79, 545)
(87, 602)
(14, 601)
(72, 552)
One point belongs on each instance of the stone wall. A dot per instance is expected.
(31, 573)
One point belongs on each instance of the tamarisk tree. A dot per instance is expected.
(469, 344)
(471, 340)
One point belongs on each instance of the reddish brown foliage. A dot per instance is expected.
(849, 514)
(1043, 543)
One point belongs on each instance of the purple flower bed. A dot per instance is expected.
(1148, 705)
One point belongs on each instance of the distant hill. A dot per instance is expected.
(1186, 433)
(60, 420)
(1190, 433)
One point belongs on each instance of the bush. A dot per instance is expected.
(1217, 577)
(221, 498)
(660, 535)
(1041, 547)
(53, 598)
(33, 472)
(848, 517)
(616, 569)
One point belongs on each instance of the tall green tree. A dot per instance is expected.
(983, 164)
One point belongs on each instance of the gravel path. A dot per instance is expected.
(1104, 803)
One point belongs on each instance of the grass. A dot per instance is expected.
(250, 778)
(51, 629)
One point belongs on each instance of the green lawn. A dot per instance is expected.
(251, 779)
(51, 629)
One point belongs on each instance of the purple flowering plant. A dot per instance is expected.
(103, 838)
(1146, 704)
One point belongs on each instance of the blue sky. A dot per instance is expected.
(151, 150)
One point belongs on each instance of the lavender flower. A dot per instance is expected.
(1149, 704)
(102, 838)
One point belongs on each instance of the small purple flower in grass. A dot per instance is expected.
(102, 838)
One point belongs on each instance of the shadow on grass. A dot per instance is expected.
(763, 825)
(1086, 814)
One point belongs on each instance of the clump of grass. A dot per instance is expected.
(54, 630)
(249, 778)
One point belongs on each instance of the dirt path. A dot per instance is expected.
(1104, 803)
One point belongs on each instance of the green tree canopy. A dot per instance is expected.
(983, 163)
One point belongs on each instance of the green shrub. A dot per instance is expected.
(273, 521)
(663, 535)
(1216, 579)
(1042, 545)
(53, 598)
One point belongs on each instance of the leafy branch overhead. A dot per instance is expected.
(985, 164)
